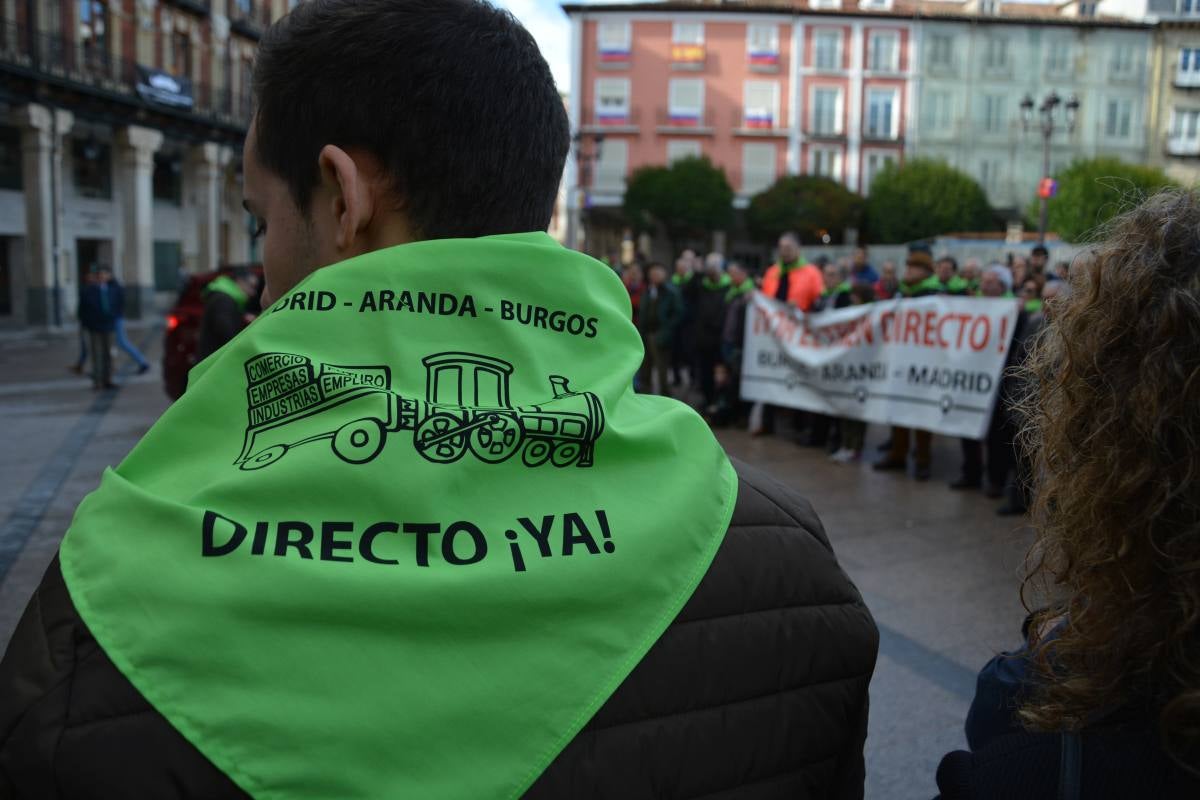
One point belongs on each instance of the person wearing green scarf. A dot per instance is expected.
(225, 299)
(950, 281)
(411, 533)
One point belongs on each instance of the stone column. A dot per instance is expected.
(42, 135)
(134, 255)
(204, 166)
(236, 224)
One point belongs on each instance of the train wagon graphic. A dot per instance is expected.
(293, 402)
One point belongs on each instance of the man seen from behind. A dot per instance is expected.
(423, 539)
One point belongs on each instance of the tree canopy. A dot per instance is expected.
(810, 205)
(924, 198)
(1093, 191)
(689, 199)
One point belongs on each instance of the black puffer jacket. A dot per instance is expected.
(758, 690)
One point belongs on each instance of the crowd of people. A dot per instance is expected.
(692, 321)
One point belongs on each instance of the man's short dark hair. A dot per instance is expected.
(452, 97)
(951, 260)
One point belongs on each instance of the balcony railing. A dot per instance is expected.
(55, 58)
(685, 122)
(196, 6)
(1187, 79)
(752, 124)
(250, 22)
(611, 121)
(1183, 146)
(824, 133)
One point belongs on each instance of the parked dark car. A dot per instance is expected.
(183, 327)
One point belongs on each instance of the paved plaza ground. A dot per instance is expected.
(937, 568)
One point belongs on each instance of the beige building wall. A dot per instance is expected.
(1175, 123)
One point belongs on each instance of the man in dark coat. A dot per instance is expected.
(708, 323)
(757, 688)
(661, 311)
(225, 300)
(99, 307)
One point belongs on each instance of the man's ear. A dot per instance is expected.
(350, 203)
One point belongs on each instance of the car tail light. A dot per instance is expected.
(172, 322)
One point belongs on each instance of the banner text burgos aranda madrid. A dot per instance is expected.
(933, 363)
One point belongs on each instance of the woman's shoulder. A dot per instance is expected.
(1117, 761)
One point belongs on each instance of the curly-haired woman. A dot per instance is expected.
(1104, 699)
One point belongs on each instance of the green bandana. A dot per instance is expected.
(930, 284)
(722, 282)
(408, 531)
(842, 288)
(226, 285)
(738, 289)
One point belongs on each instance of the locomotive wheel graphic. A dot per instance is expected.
(359, 441)
(537, 451)
(265, 457)
(565, 454)
(436, 438)
(496, 441)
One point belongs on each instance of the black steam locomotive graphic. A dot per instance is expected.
(293, 402)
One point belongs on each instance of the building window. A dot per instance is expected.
(1087, 9)
(994, 118)
(941, 51)
(613, 163)
(989, 175)
(876, 162)
(244, 8)
(1118, 119)
(762, 45)
(685, 101)
(1188, 73)
(995, 54)
(679, 149)
(989, 8)
(1189, 7)
(1123, 64)
(760, 104)
(93, 27)
(758, 167)
(612, 101)
(1058, 57)
(827, 50)
(614, 41)
(181, 54)
(826, 111)
(10, 158)
(91, 167)
(687, 43)
(825, 162)
(168, 259)
(882, 113)
(825, 4)
(883, 52)
(937, 110)
(168, 178)
(1185, 126)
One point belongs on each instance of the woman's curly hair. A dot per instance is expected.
(1111, 419)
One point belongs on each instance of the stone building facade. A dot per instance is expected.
(121, 123)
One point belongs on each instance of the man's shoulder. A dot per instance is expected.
(765, 502)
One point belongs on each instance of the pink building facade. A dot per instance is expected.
(761, 93)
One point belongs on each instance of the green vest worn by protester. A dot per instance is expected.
(408, 531)
(227, 285)
(956, 285)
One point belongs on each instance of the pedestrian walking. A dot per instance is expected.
(118, 294)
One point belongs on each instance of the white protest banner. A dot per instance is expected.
(932, 363)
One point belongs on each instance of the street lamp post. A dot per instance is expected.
(584, 161)
(1049, 124)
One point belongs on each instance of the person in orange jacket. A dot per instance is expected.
(791, 279)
